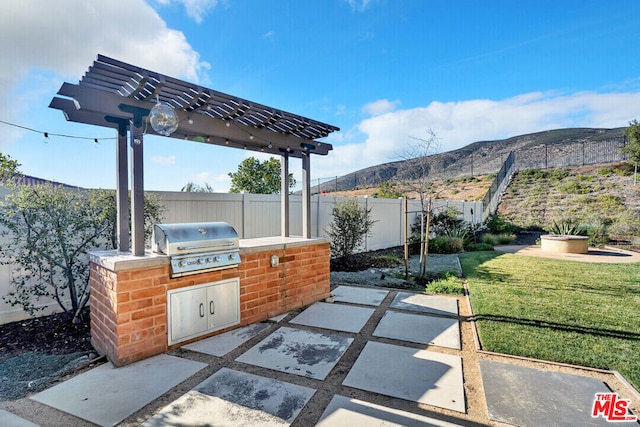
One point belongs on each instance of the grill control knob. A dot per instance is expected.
(182, 264)
(209, 260)
(216, 259)
(200, 261)
(231, 257)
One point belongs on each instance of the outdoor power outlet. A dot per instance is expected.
(275, 260)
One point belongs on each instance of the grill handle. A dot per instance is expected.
(193, 247)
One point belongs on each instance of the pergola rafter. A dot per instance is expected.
(120, 95)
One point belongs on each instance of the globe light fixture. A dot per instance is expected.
(163, 119)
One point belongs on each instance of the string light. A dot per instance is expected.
(47, 135)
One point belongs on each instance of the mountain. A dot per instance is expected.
(553, 148)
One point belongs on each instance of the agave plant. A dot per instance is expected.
(567, 227)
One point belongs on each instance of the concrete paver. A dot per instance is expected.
(7, 419)
(364, 296)
(421, 329)
(233, 398)
(106, 395)
(222, 344)
(531, 397)
(338, 317)
(411, 374)
(345, 412)
(425, 303)
(309, 354)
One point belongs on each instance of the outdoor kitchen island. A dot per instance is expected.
(131, 295)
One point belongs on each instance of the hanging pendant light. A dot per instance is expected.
(163, 119)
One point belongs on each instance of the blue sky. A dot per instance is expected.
(384, 71)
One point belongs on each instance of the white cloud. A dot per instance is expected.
(220, 182)
(62, 38)
(379, 139)
(195, 9)
(164, 160)
(359, 5)
(381, 106)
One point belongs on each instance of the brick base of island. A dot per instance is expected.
(129, 318)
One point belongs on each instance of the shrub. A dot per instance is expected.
(498, 225)
(574, 187)
(387, 190)
(610, 203)
(597, 233)
(489, 239)
(624, 169)
(448, 282)
(534, 174)
(445, 245)
(558, 174)
(349, 227)
(505, 239)
(476, 247)
(387, 260)
(607, 171)
(48, 231)
(446, 222)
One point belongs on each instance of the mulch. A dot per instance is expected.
(54, 334)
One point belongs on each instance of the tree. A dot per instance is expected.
(48, 231)
(192, 187)
(349, 227)
(633, 147)
(420, 181)
(257, 177)
(8, 167)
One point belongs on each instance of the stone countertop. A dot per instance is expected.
(115, 260)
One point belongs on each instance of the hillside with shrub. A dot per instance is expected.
(546, 149)
(601, 199)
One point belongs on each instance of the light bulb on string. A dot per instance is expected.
(46, 138)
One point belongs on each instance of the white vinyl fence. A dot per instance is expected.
(258, 215)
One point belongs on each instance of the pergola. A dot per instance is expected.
(118, 95)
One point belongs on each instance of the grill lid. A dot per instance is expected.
(192, 238)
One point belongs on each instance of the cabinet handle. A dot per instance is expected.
(212, 307)
(201, 310)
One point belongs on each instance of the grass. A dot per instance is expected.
(562, 311)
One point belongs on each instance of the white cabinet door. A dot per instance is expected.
(187, 313)
(223, 304)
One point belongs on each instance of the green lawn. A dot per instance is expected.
(563, 311)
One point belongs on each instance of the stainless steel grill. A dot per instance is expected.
(197, 247)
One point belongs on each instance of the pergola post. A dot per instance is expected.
(284, 195)
(306, 194)
(137, 177)
(122, 184)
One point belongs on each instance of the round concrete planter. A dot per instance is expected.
(565, 244)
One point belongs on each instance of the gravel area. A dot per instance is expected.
(394, 277)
